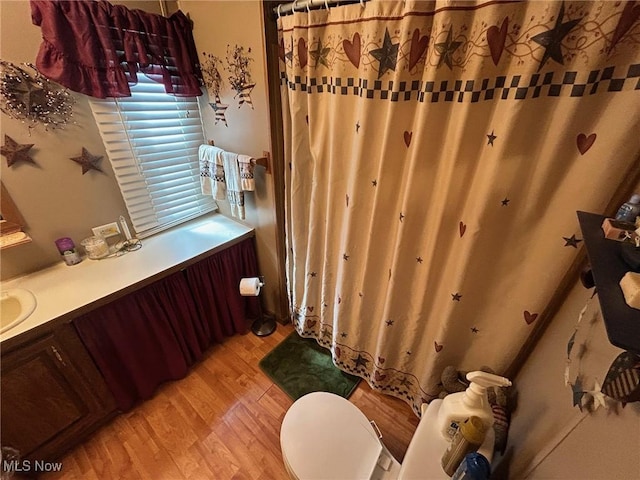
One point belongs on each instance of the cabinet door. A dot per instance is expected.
(52, 395)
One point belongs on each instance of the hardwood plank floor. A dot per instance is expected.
(220, 422)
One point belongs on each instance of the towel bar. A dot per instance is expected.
(261, 161)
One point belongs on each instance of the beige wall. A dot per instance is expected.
(551, 439)
(54, 197)
(216, 25)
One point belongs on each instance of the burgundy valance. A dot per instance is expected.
(96, 48)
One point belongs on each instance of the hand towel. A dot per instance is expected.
(246, 173)
(234, 184)
(211, 171)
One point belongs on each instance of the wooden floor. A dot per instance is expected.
(220, 422)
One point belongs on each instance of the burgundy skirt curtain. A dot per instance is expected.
(155, 334)
(223, 312)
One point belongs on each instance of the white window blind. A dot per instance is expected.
(152, 140)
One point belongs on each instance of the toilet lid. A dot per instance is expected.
(324, 436)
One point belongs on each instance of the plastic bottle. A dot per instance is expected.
(628, 211)
(473, 467)
(467, 439)
(457, 407)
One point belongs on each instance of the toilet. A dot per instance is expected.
(326, 437)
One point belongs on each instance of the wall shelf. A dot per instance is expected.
(621, 321)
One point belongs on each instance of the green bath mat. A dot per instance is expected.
(300, 366)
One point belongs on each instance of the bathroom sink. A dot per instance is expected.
(16, 304)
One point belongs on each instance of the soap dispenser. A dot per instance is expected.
(457, 407)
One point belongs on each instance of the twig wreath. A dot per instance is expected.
(33, 99)
(239, 74)
(214, 82)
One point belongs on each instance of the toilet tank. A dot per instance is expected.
(422, 460)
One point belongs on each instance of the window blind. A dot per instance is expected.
(152, 141)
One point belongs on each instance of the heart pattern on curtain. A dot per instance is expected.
(437, 153)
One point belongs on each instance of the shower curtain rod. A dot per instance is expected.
(302, 5)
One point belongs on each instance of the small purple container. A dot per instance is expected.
(67, 249)
(65, 244)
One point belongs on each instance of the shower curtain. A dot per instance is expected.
(437, 153)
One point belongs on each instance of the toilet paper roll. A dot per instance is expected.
(250, 287)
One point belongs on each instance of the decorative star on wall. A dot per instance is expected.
(578, 393)
(490, 138)
(505, 202)
(456, 297)
(571, 241)
(446, 49)
(320, 54)
(219, 108)
(389, 322)
(598, 396)
(551, 40)
(88, 161)
(16, 152)
(387, 55)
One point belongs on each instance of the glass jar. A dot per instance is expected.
(96, 247)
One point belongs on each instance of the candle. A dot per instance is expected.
(125, 228)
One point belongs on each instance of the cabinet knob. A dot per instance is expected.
(58, 356)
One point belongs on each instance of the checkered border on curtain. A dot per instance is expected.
(502, 87)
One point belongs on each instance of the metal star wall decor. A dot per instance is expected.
(88, 161)
(16, 152)
(387, 55)
(446, 49)
(491, 138)
(219, 108)
(571, 241)
(551, 40)
(578, 393)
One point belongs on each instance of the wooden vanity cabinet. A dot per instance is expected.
(52, 395)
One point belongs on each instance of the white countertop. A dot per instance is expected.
(61, 289)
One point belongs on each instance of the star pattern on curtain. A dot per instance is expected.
(551, 40)
(320, 54)
(387, 55)
(446, 50)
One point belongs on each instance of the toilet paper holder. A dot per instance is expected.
(265, 324)
(251, 286)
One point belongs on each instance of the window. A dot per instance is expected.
(152, 140)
